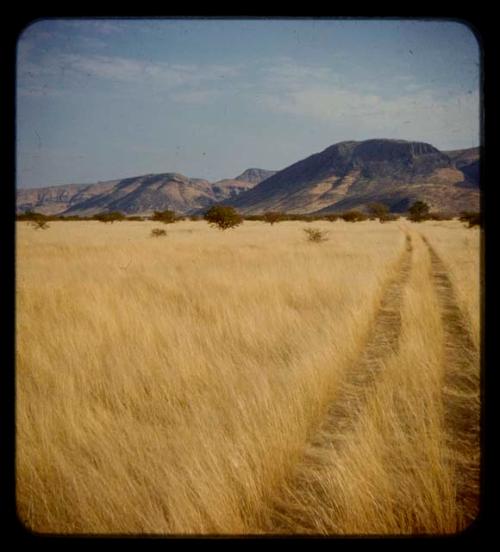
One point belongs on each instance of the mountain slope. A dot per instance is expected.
(136, 195)
(353, 174)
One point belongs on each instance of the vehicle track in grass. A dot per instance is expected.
(287, 516)
(460, 394)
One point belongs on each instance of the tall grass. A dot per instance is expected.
(458, 247)
(175, 386)
(170, 386)
(392, 473)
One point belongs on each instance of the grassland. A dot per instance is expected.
(184, 384)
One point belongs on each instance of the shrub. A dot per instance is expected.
(39, 224)
(223, 217)
(419, 211)
(471, 218)
(439, 216)
(111, 216)
(353, 216)
(272, 216)
(378, 211)
(315, 235)
(167, 216)
(390, 217)
(158, 232)
(31, 215)
(332, 218)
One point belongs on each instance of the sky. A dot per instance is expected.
(101, 99)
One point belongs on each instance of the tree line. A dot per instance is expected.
(225, 217)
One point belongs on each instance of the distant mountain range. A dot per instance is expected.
(347, 175)
(137, 195)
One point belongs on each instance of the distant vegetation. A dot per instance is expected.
(273, 216)
(223, 217)
(353, 216)
(419, 211)
(471, 218)
(158, 232)
(112, 216)
(167, 217)
(315, 235)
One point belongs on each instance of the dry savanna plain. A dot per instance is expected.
(248, 381)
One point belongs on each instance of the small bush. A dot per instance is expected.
(332, 218)
(111, 216)
(39, 224)
(167, 217)
(353, 216)
(158, 232)
(272, 217)
(30, 216)
(439, 216)
(223, 217)
(471, 218)
(419, 211)
(390, 217)
(378, 211)
(315, 235)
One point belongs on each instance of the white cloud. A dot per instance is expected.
(189, 81)
(316, 96)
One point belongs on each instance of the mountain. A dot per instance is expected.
(347, 175)
(136, 195)
(467, 161)
(255, 176)
(232, 187)
(353, 174)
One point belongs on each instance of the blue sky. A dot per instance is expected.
(105, 99)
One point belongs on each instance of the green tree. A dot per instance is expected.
(418, 211)
(223, 217)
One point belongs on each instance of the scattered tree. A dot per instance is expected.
(419, 211)
(332, 217)
(315, 235)
(110, 216)
(167, 216)
(223, 217)
(378, 211)
(272, 216)
(353, 216)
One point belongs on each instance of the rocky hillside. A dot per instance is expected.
(353, 174)
(136, 195)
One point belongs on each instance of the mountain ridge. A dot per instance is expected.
(352, 174)
(346, 175)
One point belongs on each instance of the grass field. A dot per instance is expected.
(247, 381)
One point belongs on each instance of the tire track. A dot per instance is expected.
(346, 408)
(461, 394)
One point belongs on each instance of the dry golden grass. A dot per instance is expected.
(171, 385)
(458, 247)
